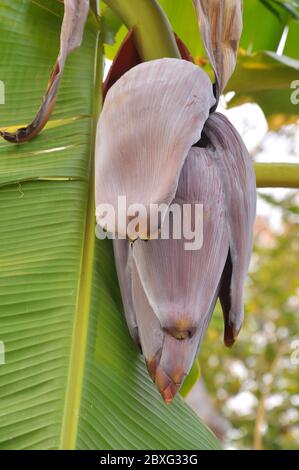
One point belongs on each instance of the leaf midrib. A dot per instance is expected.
(70, 420)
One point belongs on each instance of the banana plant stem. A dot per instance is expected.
(153, 34)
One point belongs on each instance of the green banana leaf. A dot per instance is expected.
(291, 48)
(70, 376)
(283, 6)
(263, 25)
(262, 28)
(265, 78)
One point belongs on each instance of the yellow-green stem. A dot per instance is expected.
(153, 35)
(277, 175)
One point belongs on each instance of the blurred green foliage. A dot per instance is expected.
(263, 364)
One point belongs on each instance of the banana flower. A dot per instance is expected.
(160, 141)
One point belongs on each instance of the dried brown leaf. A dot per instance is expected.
(72, 29)
(220, 23)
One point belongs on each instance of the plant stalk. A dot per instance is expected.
(153, 34)
(277, 175)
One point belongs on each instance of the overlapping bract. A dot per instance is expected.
(238, 180)
(134, 137)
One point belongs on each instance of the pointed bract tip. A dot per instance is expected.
(166, 386)
(170, 392)
(230, 335)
